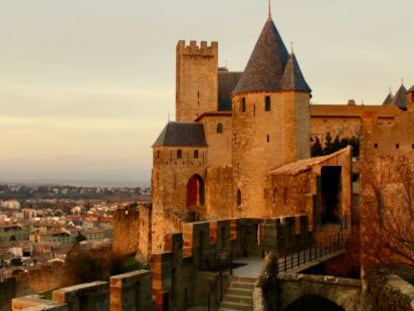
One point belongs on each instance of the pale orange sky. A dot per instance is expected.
(87, 86)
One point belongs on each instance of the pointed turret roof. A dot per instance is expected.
(267, 62)
(388, 99)
(292, 79)
(400, 98)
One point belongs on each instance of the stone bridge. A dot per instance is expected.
(345, 293)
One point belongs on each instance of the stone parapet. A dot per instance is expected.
(36, 302)
(92, 296)
(131, 291)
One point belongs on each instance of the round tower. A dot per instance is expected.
(270, 119)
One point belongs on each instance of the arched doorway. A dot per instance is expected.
(195, 191)
(313, 302)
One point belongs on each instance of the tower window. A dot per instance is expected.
(179, 154)
(238, 197)
(267, 103)
(376, 146)
(243, 105)
(268, 138)
(397, 146)
(219, 128)
(195, 154)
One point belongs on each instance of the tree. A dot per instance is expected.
(387, 210)
(331, 145)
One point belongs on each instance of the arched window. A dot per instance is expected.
(179, 154)
(219, 128)
(195, 154)
(243, 105)
(267, 103)
(239, 199)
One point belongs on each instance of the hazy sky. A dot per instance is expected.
(86, 86)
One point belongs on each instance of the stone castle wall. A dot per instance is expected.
(220, 193)
(170, 177)
(129, 291)
(256, 148)
(219, 138)
(295, 124)
(197, 84)
(387, 166)
(264, 139)
(344, 120)
(177, 279)
(126, 231)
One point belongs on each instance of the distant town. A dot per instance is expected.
(40, 224)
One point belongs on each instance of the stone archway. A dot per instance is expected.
(195, 192)
(313, 302)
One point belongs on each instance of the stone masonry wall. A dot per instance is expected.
(386, 165)
(220, 193)
(92, 296)
(218, 140)
(176, 281)
(344, 120)
(131, 291)
(295, 123)
(170, 177)
(126, 231)
(257, 147)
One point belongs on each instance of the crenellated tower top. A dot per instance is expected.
(193, 49)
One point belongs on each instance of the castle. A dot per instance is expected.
(238, 157)
(240, 145)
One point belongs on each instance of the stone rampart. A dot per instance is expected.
(92, 296)
(129, 291)
(175, 271)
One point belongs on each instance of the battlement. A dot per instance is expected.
(193, 49)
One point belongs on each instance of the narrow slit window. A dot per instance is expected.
(195, 154)
(243, 105)
(219, 128)
(267, 103)
(179, 154)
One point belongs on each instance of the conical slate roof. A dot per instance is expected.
(189, 134)
(388, 99)
(267, 62)
(400, 98)
(292, 79)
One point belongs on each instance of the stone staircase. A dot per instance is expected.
(239, 295)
